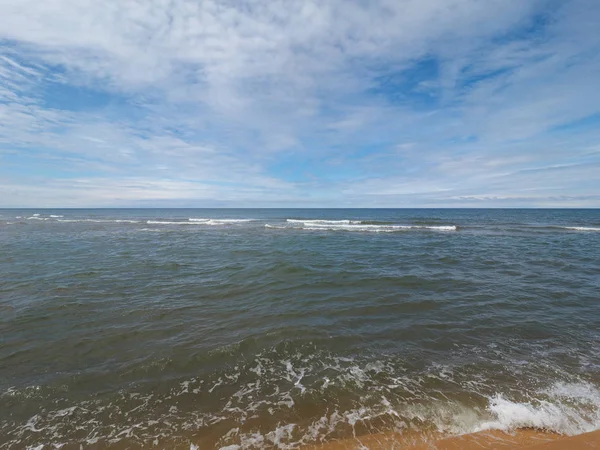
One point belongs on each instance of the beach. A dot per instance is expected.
(516, 439)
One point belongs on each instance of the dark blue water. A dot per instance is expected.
(283, 328)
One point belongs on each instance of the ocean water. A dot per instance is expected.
(242, 329)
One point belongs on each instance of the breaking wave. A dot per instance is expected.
(323, 222)
(221, 220)
(171, 222)
(372, 225)
(256, 404)
(355, 225)
(199, 221)
(98, 220)
(583, 228)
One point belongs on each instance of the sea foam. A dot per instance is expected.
(355, 225)
(98, 220)
(557, 415)
(583, 228)
(220, 220)
(323, 222)
(169, 222)
(199, 221)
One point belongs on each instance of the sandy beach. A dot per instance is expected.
(520, 439)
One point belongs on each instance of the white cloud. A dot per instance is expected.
(222, 91)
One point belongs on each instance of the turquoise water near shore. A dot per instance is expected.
(277, 328)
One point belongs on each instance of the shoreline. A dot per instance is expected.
(525, 438)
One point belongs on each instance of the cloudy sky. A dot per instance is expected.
(346, 103)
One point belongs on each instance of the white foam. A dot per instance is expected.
(372, 228)
(580, 392)
(440, 227)
(55, 216)
(348, 226)
(565, 407)
(544, 415)
(224, 221)
(199, 221)
(323, 222)
(568, 408)
(166, 222)
(583, 228)
(98, 220)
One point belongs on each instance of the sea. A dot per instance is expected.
(284, 328)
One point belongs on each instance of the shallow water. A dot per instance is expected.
(280, 328)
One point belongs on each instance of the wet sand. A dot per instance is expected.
(520, 439)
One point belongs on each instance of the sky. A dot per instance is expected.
(299, 103)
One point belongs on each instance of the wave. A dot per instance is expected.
(193, 221)
(168, 222)
(540, 228)
(377, 394)
(58, 218)
(98, 220)
(439, 227)
(323, 222)
(583, 228)
(566, 408)
(363, 228)
(349, 226)
(220, 221)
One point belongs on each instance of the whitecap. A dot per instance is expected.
(566, 408)
(348, 226)
(323, 222)
(224, 221)
(98, 220)
(363, 228)
(583, 228)
(166, 222)
(171, 222)
(199, 221)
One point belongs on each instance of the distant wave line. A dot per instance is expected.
(313, 226)
(583, 228)
(322, 221)
(200, 220)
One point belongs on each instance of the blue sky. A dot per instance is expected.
(254, 103)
